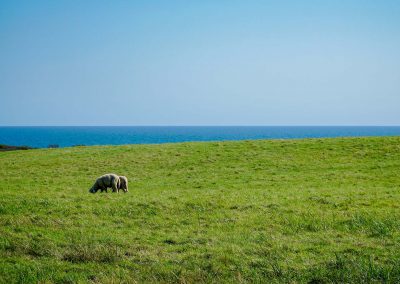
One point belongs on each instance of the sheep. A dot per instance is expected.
(110, 180)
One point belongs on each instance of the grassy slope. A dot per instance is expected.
(295, 210)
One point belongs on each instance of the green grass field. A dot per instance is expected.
(298, 211)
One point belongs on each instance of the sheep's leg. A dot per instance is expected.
(114, 186)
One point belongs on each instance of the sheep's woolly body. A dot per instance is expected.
(110, 181)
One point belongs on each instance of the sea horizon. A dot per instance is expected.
(205, 125)
(67, 136)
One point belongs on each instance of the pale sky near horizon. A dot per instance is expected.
(200, 62)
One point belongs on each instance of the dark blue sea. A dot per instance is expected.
(109, 135)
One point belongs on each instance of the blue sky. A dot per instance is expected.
(200, 62)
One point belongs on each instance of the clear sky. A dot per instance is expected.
(200, 62)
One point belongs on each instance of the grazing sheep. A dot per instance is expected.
(110, 180)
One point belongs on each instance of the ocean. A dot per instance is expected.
(42, 137)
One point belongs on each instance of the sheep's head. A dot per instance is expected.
(123, 183)
(92, 190)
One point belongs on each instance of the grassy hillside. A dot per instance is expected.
(314, 210)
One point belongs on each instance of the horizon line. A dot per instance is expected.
(222, 125)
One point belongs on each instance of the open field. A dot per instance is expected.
(313, 210)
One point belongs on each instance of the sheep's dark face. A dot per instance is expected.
(123, 183)
(92, 190)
